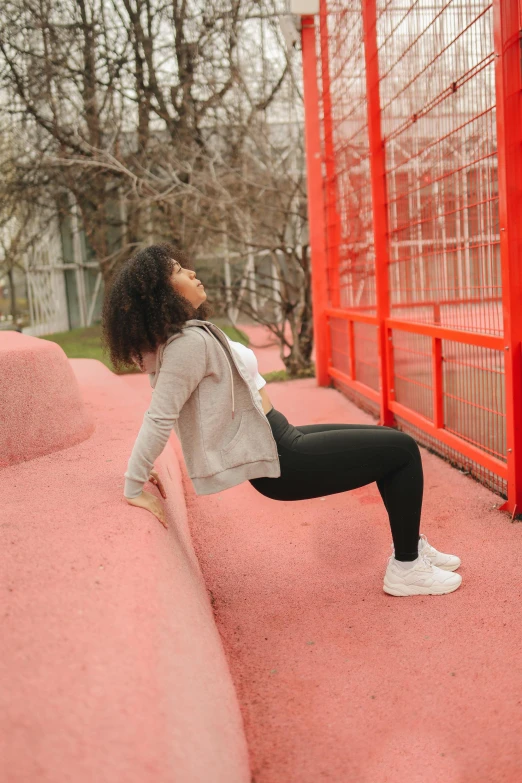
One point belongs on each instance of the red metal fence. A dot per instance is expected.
(414, 149)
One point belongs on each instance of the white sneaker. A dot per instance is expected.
(439, 559)
(423, 578)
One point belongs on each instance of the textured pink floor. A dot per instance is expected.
(111, 668)
(338, 681)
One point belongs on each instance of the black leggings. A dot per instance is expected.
(322, 459)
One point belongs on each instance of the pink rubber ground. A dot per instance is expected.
(337, 680)
(111, 666)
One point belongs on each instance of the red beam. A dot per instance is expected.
(351, 344)
(430, 330)
(438, 390)
(333, 222)
(445, 333)
(442, 303)
(507, 15)
(379, 200)
(351, 315)
(316, 207)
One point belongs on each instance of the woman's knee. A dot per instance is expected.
(409, 444)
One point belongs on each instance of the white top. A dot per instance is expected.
(249, 360)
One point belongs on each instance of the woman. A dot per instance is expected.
(208, 389)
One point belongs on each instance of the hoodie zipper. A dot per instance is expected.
(229, 368)
(232, 382)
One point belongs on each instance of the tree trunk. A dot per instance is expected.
(299, 360)
(12, 294)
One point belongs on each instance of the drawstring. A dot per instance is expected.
(228, 363)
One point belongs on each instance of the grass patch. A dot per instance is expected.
(85, 343)
(278, 376)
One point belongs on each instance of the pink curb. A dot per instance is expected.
(112, 668)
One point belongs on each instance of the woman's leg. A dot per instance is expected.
(323, 459)
(381, 486)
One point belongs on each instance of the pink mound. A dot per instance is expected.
(42, 410)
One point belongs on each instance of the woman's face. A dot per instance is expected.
(187, 284)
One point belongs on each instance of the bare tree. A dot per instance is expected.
(179, 122)
(17, 226)
(14, 243)
(96, 80)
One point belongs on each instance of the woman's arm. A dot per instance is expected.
(184, 366)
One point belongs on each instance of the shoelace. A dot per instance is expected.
(426, 545)
(427, 562)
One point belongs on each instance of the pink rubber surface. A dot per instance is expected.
(111, 667)
(337, 680)
(41, 406)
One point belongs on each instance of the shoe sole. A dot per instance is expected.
(403, 590)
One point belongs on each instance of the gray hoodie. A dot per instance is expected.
(203, 391)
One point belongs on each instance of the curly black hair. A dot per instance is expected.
(141, 308)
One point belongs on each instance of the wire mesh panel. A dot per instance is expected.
(438, 119)
(341, 345)
(358, 398)
(413, 372)
(474, 404)
(348, 181)
(456, 457)
(440, 316)
(366, 354)
(437, 92)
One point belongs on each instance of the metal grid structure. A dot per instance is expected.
(416, 218)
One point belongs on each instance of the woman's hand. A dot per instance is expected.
(155, 479)
(151, 503)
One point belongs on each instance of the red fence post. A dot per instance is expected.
(508, 73)
(333, 226)
(316, 210)
(379, 205)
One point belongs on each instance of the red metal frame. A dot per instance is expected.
(379, 204)
(333, 223)
(508, 72)
(435, 428)
(473, 203)
(316, 207)
(438, 399)
(445, 333)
